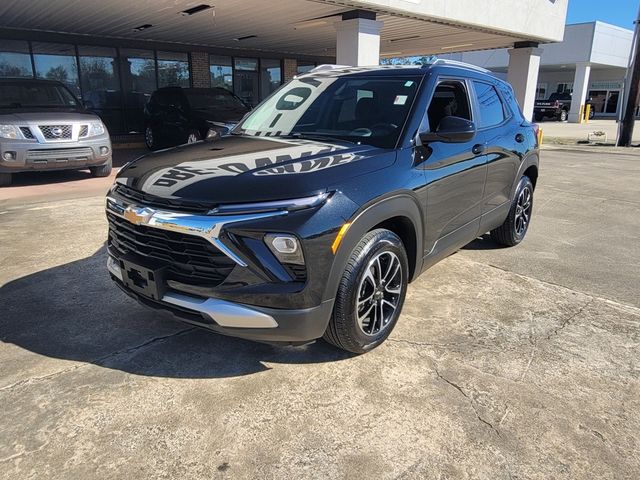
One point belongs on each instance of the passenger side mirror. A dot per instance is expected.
(451, 130)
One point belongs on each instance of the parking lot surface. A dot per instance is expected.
(506, 363)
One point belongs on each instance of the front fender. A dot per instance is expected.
(404, 205)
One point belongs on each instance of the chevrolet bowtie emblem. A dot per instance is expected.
(138, 216)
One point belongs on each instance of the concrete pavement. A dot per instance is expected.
(506, 363)
(579, 131)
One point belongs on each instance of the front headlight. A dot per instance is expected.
(95, 128)
(259, 207)
(8, 131)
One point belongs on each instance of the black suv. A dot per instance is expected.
(175, 115)
(311, 218)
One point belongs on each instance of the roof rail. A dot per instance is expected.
(325, 67)
(455, 63)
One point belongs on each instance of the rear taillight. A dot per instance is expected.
(557, 103)
(538, 131)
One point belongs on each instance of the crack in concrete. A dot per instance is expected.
(420, 344)
(567, 321)
(23, 453)
(97, 361)
(471, 402)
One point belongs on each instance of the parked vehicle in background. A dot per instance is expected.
(176, 115)
(43, 126)
(313, 215)
(557, 106)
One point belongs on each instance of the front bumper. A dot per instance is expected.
(31, 155)
(291, 326)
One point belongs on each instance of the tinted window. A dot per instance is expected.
(32, 94)
(213, 98)
(449, 99)
(15, 60)
(491, 109)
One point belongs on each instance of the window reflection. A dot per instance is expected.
(221, 71)
(15, 60)
(138, 70)
(57, 61)
(270, 76)
(173, 69)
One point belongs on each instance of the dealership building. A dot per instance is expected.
(590, 63)
(114, 53)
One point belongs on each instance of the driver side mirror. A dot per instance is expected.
(451, 130)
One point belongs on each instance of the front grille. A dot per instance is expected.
(189, 259)
(26, 132)
(84, 130)
(81, 153)
(180, 205)
(56, 132)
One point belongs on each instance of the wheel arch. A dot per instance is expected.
(399, 213)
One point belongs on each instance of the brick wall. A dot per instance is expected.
(200, 76)
(290, 68)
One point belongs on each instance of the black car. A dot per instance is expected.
(311, 218)
(175, 115)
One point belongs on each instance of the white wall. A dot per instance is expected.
(534, 19)
(595, 42)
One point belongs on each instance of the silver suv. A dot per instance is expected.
(44, 127)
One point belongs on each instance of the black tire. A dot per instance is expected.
(102, 170)
(345, 331)
(564, 115)
(5, 179)
(512, 231)
(149, 138)
(539, 117)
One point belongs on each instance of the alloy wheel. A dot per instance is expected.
(148, 137)
(379, 293)
(192, 138)
(523, 211)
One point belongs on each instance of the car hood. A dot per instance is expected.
(27, 117)
(221, 114)
(240, 168)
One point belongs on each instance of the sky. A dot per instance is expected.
(616, 12)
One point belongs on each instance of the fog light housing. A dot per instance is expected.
(9, 156)
(104, 150)
(285, 247)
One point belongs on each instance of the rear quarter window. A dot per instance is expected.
(491, 110)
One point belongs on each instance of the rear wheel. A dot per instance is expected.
(102, 170)
(5, 179)
(149, 138)
(371, 293)
(194, 136)
(539, 117)
(515, 227)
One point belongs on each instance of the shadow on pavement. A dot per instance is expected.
(483, 242)
(75, 312)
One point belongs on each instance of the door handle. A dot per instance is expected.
(519, 138)
(478, 149)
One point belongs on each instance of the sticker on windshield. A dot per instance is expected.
(408, 83)
(400, 100)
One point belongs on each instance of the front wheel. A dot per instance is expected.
(371, 293)
(102, 170)
(149, 138)
(194, 136)
(515, 227)
(5, 179)
(564, 115)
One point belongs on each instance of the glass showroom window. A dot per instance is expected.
(221, 71)
(57, 61)
(270, 76)
(15, 60)
(305, 67)
(138, 70)
(246, 80)
(173, 69)
(100, 84)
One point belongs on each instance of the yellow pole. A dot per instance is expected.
(587, 113)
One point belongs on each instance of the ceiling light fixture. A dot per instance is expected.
(457, 46)
(196, 9)
(246, 37)
(412, 37)
(142, 27)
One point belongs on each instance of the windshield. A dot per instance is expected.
(220, 98)
(370, 110)
(32, 94)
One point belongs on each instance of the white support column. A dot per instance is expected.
(524, 63)
(580, 90)
(358, 42)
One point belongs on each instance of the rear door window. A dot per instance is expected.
(491, 110)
